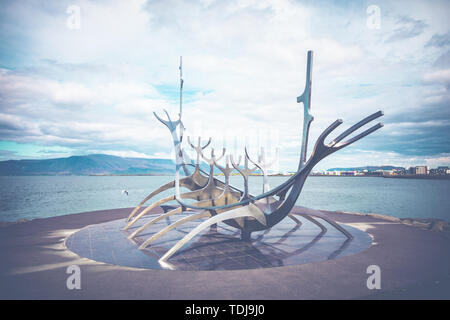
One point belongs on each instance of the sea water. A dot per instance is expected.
(30, 197)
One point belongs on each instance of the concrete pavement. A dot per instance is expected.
(413, 263)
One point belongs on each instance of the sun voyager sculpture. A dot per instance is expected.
(218, 201)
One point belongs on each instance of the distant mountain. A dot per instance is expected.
(368, 168)
(94, 164)
(103, 164)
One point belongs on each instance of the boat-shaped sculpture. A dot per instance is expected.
(218, 201)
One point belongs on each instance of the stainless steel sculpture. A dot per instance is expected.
(220, 202)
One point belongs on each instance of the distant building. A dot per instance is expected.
(376, 173)
(398, 171)
(442, 170)
(386, 171)
(421, 170)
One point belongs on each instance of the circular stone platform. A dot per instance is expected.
(293, 241)
(414, 263)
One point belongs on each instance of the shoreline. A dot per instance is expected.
(421, 177)
(433, 224)
(417, 176)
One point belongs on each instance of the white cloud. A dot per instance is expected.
(244, 66)
(439, 76)
(438, 161)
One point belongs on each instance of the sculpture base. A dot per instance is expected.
(414, 264)
(291, 242)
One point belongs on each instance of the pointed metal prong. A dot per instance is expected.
(169, 123)
(223, 154)
(190, 143)
(326, 133)
(159, 118)
(248, 157)
(207, 144)
(356, 127)
(168, 117)
(359, 136)
(234, 164)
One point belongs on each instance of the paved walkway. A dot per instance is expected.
(33, 263)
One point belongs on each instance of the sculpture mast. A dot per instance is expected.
(181, 97)
(307, 117)
(185, 157)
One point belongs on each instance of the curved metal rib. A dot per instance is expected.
(162, 232)
(193, 182)
(153, 221)
(247, 211)
(143, 212)
(163, 188)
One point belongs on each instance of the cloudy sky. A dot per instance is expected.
(81, 77)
